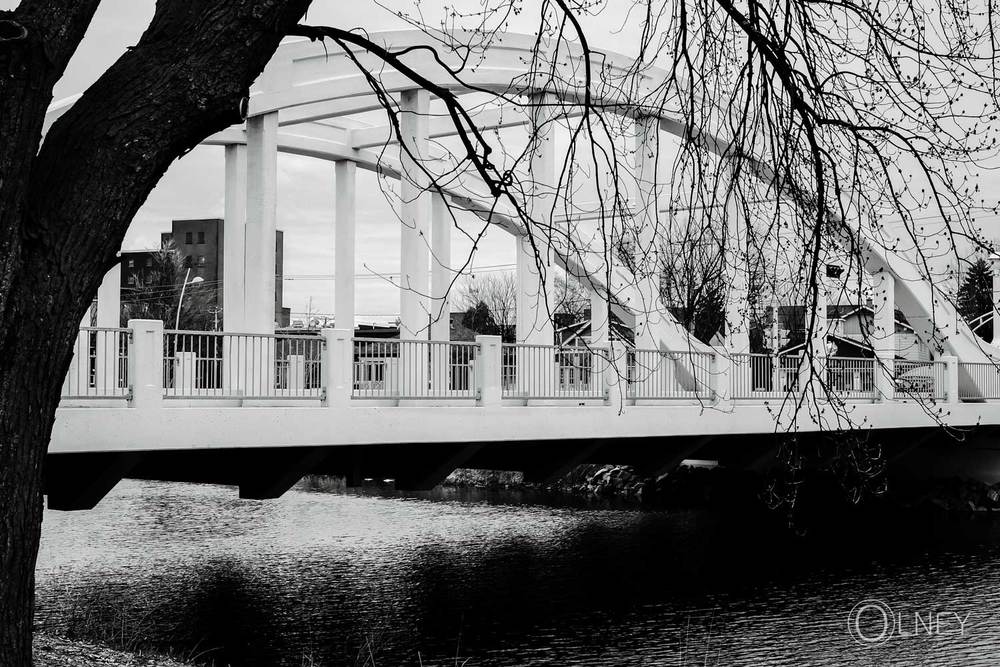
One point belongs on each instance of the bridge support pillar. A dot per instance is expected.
(80, 481)
(145, 364)
(430, 469)
(338, 366)
(268, 475)
(261, 214)
(556, 461)
(234, 231)
(344, 242)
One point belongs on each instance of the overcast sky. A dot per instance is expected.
(193, 187)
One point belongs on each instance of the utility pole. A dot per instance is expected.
(215, 310)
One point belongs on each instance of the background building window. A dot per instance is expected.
(187, 238)
(201, 238)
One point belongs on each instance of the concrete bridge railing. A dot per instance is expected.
(142, 365)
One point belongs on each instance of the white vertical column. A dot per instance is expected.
(109, 313)
(234, 239)
(344, 240)
(109, 300)
(646, 254)
(600, 319)
(415, 204)
(884, 332)
(536, 288)
(535, 280)
(440, 282)
(814, 368)
(262, 209)
(441, 273)
(737, 317)
(414, 106)
(995, 266)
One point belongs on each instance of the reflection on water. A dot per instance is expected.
(338, 579)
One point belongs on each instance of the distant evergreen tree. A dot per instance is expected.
(481, 320)
(975, 296)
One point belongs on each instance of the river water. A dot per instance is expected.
(320, 578)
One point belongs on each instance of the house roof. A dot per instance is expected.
(570, 333)
(838, 311)
(846, 347)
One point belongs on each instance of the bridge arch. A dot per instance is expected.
(307, 85)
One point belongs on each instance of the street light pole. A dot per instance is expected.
(180, 302)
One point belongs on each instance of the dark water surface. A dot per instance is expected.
(324, 579)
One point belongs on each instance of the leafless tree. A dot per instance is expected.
(845, 112)
(498, 291)
(571, 296)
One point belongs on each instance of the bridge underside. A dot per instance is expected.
(79, 480)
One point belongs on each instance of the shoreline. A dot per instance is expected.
(51, 650)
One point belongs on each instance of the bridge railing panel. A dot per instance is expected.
(654, 374)
(851, 377)
(99, 368)
(983, 381)
(759, 376)
(222, 365)
(553, 372)
(919, 379)
(414, 369)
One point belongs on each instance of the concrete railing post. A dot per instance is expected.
(185, 365)
(488, 370)
(721, 374)
(295, 381)
(338, 366)
(616, 375)
(950, 379)
(885, 383)
(145, 364)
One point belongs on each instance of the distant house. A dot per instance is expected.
(576, 332)
(850, 328)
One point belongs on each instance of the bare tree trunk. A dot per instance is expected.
(65, 208)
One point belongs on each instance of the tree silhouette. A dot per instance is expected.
(154, 294)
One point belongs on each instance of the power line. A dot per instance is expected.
(383, 276)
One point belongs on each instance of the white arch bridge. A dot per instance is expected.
(257, 409)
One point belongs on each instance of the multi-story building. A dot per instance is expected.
(201, 244)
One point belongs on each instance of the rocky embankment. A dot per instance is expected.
(686, 487)
(719, 487)
(52, 651)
